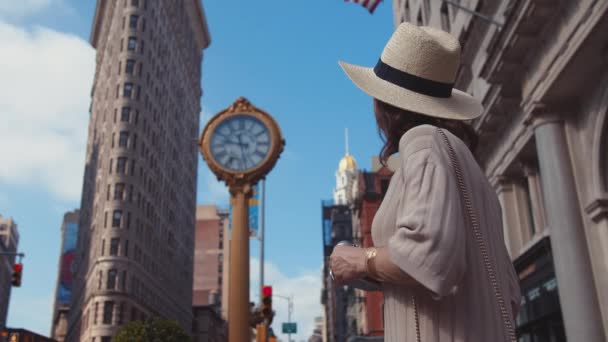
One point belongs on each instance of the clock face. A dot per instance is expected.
(240, 142)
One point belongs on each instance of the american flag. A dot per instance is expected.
(369, 4)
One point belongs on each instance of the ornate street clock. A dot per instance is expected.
(241, 144)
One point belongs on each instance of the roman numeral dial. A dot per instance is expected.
(240, 142)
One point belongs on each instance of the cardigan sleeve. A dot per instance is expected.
(429, 243)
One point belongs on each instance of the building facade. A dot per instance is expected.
(540, 70)
(208, 257)
(137, 216)
(340, 303)
(24, 335)
(208, 325)
(337, 226)
(65, 275)
(371, 187)
(9, 241)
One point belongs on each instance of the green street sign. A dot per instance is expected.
(290, 328)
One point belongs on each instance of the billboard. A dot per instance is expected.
(66, 271)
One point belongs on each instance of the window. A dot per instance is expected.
(105, 219)
(119, 191)
(108, 193)
(132, 44)
(106, 339)
(95, 313)
(121, 309)
(114, 246)
(103, 247)
(108, 308)
(133, 21)
(111, 165)
(135, 3)
(127, 90)
(125, 114)
(124, 281)
(111, 283)
(116, 216)
(126, 249)
(123, 139)
(130, 66)
(121, 165)
(128, 220)
(134, 142)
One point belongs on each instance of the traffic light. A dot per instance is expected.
(17, 270)
(267, 303)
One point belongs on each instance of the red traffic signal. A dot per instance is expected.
(267, 303)
(16, 279)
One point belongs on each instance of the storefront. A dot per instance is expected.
(540, 317)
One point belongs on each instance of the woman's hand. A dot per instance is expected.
(348, 263)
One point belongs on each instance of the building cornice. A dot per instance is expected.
(198, 21)
(97, 22)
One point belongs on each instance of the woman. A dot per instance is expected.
(439, 251)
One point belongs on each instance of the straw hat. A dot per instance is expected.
(416, 72)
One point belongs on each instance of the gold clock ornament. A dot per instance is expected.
(241, 144)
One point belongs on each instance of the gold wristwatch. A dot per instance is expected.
(370, 254)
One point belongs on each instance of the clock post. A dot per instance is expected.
(241, 145)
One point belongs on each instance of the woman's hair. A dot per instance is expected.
(393, 122)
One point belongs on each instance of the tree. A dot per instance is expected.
(152, 330)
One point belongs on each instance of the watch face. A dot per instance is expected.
(240, 142)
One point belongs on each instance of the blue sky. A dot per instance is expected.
(281, 55)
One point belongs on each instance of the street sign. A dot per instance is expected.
(290, 328)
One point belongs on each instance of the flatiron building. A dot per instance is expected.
(134, 255)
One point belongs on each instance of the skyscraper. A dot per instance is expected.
(63, 290)
(135, 244)
(9, 240)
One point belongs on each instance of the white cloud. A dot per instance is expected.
(21, 8)
(211, 191)
(44, 100)
(306, 291)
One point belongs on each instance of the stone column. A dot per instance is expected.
(515, 215)
(577, 294)
(536, 198)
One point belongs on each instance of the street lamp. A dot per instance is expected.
(289, 310)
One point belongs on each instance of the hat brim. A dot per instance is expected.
(459, 106)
